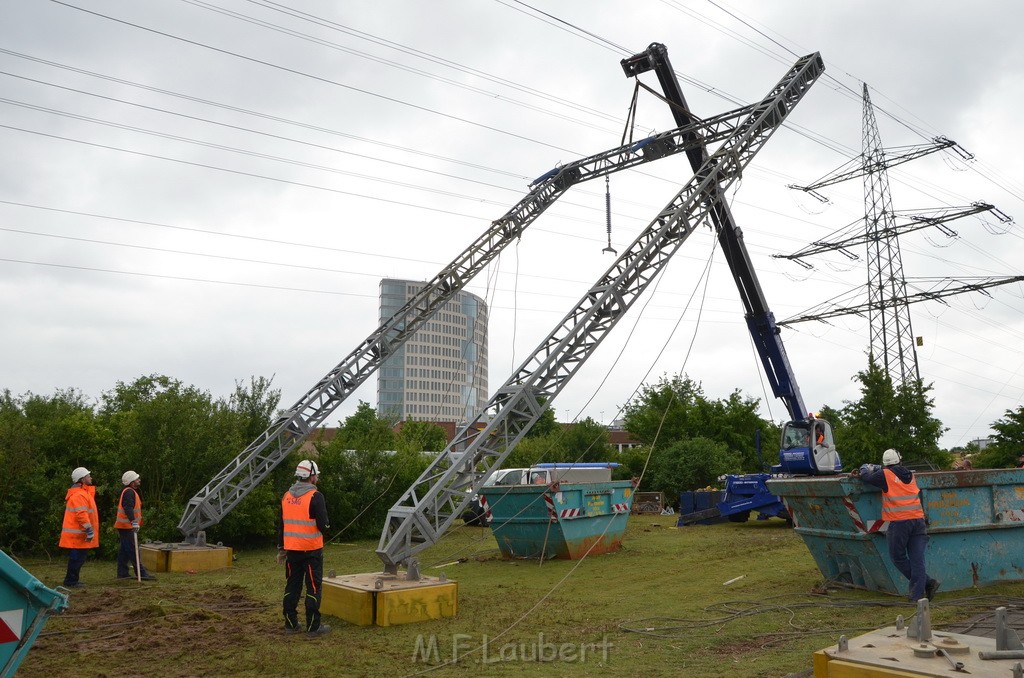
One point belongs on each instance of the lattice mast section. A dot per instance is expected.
(892, 337)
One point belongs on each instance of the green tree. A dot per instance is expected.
(585, 441)
(361, 486)
(887, 417)
(178, 438)
(688, 465)
(632, 463)
(420, 436)
(544, 426)
(1008, 442)
(582, 442)
(665, 412)
(365, 430)
(42, 438)
(675, 409)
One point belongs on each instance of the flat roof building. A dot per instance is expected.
(440, 374)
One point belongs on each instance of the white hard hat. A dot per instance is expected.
(79, 473)
(890, 457)
(306, 468)
(129, 477)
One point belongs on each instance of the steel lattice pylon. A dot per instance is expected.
(892, 338)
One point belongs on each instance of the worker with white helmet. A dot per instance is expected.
(80, 531)
(300, 540)
(127, 524)
(907, 531)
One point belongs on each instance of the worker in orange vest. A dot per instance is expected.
(80, 531)
(127, 524)
(907, 532)
(300, 540)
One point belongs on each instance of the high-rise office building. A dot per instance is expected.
(440, 374)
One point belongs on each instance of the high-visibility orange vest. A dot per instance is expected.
(79, 511)
(300, 531)
(122, 522)
(901, 501)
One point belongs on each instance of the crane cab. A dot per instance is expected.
(807, 448)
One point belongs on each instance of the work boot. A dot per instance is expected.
(292, 629)
(148, 577)
(321, 630)
(931, 587)
(76, 585)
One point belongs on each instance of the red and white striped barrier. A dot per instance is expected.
(550, 503)
(868, 526)
(570, 513)
(620, 508)
(486, 508)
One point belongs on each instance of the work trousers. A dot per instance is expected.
(907, 541)
(126, 554)
(308, 567)
(76, 558)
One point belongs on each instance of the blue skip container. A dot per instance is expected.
(976, 527)
(563, 520)
(24, 605)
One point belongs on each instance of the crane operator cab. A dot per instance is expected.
(808, 448)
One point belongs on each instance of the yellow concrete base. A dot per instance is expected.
(386, 600)
(163, 557)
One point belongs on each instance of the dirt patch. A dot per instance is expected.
(114, 620)
(738, 648)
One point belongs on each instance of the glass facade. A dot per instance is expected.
(440, 374)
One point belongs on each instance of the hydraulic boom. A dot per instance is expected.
(809, 458)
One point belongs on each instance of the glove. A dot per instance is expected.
(89, 534)
(868, 468)
(135, 526)
(282, 555)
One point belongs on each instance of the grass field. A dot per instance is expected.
(658, 607)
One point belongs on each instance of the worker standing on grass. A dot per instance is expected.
(127, 523)
(907, 533)
(80, 531)
(300, 539)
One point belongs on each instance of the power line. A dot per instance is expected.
(311, 76)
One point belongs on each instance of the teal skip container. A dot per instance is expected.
(563, 520)
(25, 604)
(975, 527)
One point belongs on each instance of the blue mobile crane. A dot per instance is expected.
(807, 446)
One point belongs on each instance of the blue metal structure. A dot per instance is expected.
(24, 605)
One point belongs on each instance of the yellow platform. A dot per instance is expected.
(889, 653)
(164, 557)
(386, 600)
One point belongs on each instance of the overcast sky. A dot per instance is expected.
(213, 190)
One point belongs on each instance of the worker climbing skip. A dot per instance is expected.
(907, 533)
(300, 538)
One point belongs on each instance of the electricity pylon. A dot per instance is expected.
(888, 307)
